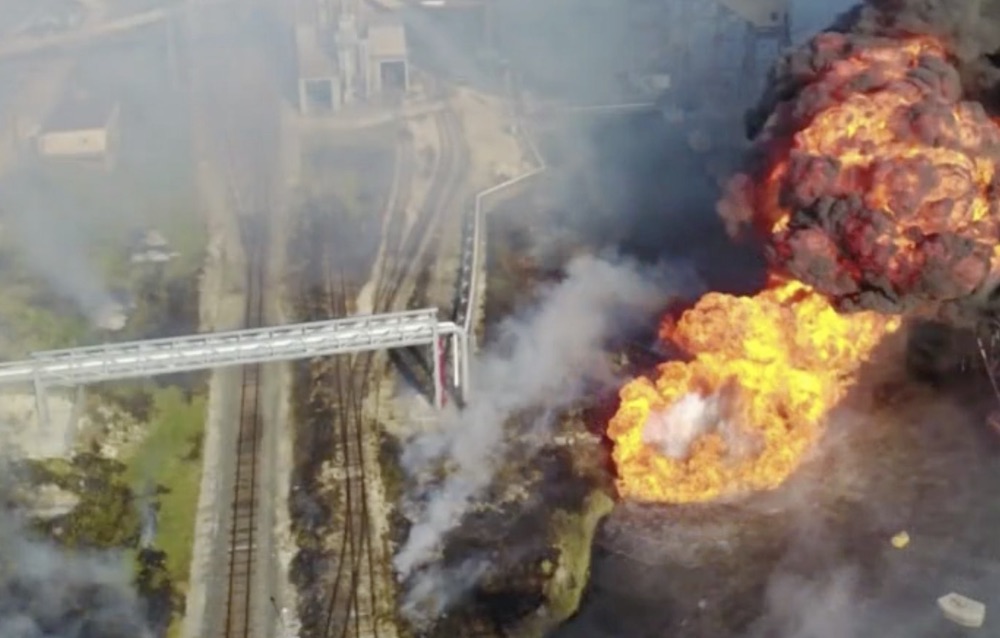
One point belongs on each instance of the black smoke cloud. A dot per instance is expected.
(801, 575)
(970, 30)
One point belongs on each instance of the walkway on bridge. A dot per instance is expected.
(136, 359)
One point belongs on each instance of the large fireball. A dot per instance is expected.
(877, 184)
(741, 413)
(876, 188)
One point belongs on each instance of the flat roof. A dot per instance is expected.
(387, 39)
(81, 110)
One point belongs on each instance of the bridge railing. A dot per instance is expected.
(198, 352)
(472, 240)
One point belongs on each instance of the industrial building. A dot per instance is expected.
(345, 55)
(83, 126)
(387, 57)
(318, 77)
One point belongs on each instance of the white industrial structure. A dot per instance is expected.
(82, 127)
(386, 53)
(78, 366)
(346, 56)
(318, 78)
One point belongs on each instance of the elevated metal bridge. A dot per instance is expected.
(129, 360)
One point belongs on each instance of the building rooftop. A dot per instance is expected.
(387, 40)
(81, 110)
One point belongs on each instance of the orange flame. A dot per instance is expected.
(945, 147)
(766, 369)
(911, 149)
(880, 127)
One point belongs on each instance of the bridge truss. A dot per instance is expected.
(138, 359)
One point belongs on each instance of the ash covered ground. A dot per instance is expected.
(813, 558)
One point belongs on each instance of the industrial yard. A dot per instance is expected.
(497, 318)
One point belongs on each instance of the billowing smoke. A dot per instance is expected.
(828, 583)
(46, 592)
(49, 229)
(673, 430)
(542, 362)
(801, 607)
(970, 31)
(874, 180)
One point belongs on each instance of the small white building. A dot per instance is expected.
(387, 56)
(318, 76)
(82, 127)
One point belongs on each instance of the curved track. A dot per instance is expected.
(361, 573)
(404, 251)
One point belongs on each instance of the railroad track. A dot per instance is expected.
(353, 603)
(411, 248)
(246, 147)
(243, 524)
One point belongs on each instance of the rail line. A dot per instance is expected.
(407, 250)
(353, 599)
(246, 150)
(243, 537)
(351, 610)
(352, 604)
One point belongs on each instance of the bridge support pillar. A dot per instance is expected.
(437, 351)
(460, 364)
(42, 405)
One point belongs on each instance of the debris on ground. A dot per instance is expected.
(900, 540)
(962, 610)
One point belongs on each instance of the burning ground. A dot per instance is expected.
(813, 558)
(873, 188)
(768, 461)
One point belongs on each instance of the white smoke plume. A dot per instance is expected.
(437, 587)
(543, 362)
(47, 592)
(49, 228)
(800, 607)
(674, 429)
(677, 426)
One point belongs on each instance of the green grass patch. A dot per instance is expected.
(357, 176)
(573, 535)
(29, 328)
(105, 517)
(170, 457)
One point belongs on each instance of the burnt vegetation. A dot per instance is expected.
(106, 517)
(332, 247)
